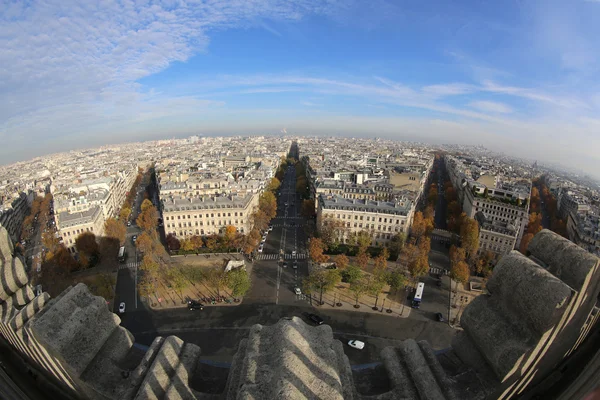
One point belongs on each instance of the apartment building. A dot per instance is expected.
(499, 237)
(71, 225)
(12, 213)
(569, 201)
(184, 217)
(381, 218)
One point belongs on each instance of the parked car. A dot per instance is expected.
(260, 248)
(270, 228)
(194, 305)
(121, 308)
(440, 317)
(315, 319)
(133, 239)
(295, 264)
(357, 344)
(294, 253)
(297, 290)
(284, 264)
(128, 223)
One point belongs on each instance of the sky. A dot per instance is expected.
(521, 77)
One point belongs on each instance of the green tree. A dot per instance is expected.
(358, 288)
(238, 282)
(396, 244)
(375, 285)
(217, 278)
(124, 213)
(352, 274)
(322, 281)
(178, 281)
(397, 280)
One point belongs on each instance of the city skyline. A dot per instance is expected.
(519, 78)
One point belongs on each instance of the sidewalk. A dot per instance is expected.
(394, 305)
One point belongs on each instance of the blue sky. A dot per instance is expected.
(518, 76)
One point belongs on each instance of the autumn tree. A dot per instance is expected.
(115, 229)
(124, 213)
(308, 208)
(341, 261)
(145, 243)
(268, 204)
(469, 236)
(173, 243)
(178, 280)
(187, 245)
(148, 218)
(212, 242)
(363, 258)
(457, 254)
(260, 220)
(86, 243)
(230, 235)
(418, 226)
(252, 241)
(274, 184)
(535, 223)
(315, 251)
(197, 242)
(381, 260)
(50, 241)
(322, 281)
(525, 242)
(145, 205)
(460, 273)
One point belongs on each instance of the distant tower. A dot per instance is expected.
(534, 169)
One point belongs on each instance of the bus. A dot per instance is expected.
(122, 255)
(418, 295)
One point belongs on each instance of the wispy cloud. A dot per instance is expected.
(491, 106)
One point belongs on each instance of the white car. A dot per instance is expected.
(357, 344)
(260, 249)
(295, 264)
(294, 253)
(121, 308)
(297, 290)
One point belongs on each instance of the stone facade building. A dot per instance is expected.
(207, 215)
(72, 225)
(381, 219)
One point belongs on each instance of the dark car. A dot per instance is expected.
(315, 319)
(440, 317)
(194, 305)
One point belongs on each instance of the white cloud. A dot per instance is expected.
(71, 57)
(491, 106)
(449, 89)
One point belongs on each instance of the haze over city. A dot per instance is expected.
(519, 77)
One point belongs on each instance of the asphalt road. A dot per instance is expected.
(218, 330)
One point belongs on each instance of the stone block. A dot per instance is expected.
(528, 293)
(13, 277)
(75, 327)
(564, 259)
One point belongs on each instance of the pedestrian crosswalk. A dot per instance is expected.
(299, 256)
(438, 271)
(130, 265)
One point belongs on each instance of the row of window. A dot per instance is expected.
(200, 232)
(369, 218)
(196, 223)
(79, 231)
(195, 216)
